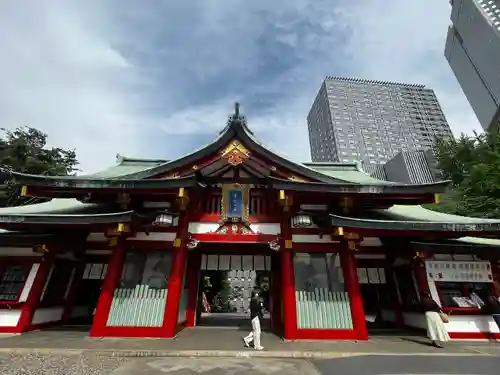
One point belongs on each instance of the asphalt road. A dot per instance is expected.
(410, 365)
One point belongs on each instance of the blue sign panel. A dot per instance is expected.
(235, 203)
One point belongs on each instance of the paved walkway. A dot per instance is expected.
(227, 342)
(215, 351)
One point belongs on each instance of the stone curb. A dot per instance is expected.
(270, 354)
(226, 353)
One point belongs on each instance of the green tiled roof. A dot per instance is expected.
(63, 211)
(125, 167)
(419, 213)
(347, 172)
(417, 218)
(479, 241)
(55, 207)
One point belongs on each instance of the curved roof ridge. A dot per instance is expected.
(263, 145)
(166, 163)
(121, 160)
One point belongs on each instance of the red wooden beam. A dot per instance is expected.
(233, 238)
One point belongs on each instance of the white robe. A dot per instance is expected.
(436, 331)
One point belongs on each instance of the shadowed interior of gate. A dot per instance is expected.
(225, 285)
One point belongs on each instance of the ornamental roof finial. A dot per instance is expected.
(236, 110)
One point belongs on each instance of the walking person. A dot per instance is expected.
(256, 317)
(435, 319)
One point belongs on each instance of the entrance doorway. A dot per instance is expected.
(88, 291)
(377, 294)
(225, 287)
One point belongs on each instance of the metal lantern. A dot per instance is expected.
(301, 221)
(164, 219)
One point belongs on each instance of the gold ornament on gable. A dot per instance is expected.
(235, 153)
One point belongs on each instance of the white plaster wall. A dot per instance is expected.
(471, 323)
(45, 315)
(312, 238)
(9, 318)
(371, 241)
(18, 251)
(154, 236)
(266, 228)
(457, 323)
(97, 237)
(198, 227)
(29, 282)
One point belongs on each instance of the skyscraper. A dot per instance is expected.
(371, 121)
(473, 52)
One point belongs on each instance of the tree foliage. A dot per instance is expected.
(25, 150)
(472, 163)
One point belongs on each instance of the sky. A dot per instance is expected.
(158, 79)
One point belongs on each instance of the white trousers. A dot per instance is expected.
(255, 334)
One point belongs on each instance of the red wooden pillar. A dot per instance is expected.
(495, 270)
(349, 268)
(175, 280)
(111, 281)
(276, 321)
(71, 297)
(418, 267)
(193, 273)
(288, 281)
(33, 300)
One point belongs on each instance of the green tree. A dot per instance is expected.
(25, 150)
(472, 163)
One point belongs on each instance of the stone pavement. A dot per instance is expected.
(224, 342)
(211, 351)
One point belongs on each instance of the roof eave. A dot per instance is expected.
(120, 184)
(415, 225)
(344, 187)
(48, 219)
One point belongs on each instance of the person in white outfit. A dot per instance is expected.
(436, 331)
(256, 316)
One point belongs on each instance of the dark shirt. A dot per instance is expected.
(428, 304)
(256, 306)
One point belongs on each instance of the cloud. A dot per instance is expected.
(62, 77)
(160, 80)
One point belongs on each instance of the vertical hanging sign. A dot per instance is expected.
(235, 202)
